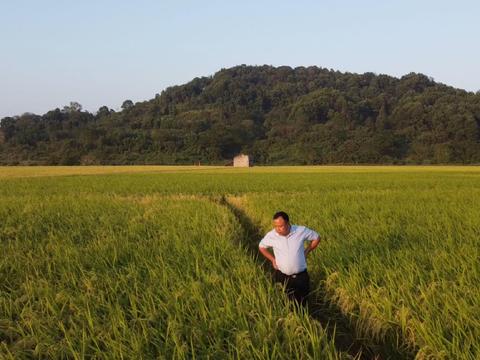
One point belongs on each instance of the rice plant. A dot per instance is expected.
(134, 277)
(139, 262)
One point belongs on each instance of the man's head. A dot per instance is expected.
(281, 223)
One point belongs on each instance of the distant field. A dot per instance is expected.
(145, 261)
(33, 171)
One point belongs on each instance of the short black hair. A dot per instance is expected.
(281, 214)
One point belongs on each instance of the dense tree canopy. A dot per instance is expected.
(280, 115)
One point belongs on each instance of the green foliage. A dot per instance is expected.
(146, 265)
(139, 277)
(403, 264)
(279, 115)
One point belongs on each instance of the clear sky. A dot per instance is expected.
(103, 52)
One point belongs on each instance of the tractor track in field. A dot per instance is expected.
(338, 326)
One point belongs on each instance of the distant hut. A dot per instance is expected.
(242, 160)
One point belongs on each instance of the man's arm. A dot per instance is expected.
(312, 245)
(269, 256)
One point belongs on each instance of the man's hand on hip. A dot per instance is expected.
(312, 246)
(274, 264)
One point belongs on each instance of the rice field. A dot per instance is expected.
(145, 262)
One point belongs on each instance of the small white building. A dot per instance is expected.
(242, 160)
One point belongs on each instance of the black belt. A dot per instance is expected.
(294, 275)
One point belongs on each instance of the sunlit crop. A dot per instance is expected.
(150, 262)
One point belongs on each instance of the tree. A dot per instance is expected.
(127, 104)
(280, 115)
(103, 111)
(73, 107)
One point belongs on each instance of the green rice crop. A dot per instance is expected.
(402, 263)
(142, 263)
(108, 276)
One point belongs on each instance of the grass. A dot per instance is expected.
(36, 171)
(402, 264)
(139, 277)
(141, 264)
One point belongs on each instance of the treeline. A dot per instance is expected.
(305, 115)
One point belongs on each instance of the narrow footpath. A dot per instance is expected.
(337, 325)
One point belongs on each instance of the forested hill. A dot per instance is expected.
(305, 115)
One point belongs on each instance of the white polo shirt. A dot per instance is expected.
(289, 251)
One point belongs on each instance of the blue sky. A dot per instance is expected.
(103, 52)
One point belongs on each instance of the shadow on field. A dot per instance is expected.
(337, 325)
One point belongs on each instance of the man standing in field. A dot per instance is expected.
(289, 254)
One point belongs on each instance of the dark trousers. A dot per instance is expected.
(297, 286)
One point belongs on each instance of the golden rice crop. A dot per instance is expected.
(402, 263)
(139, 277)
(142, 264)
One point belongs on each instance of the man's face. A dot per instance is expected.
(281, 226)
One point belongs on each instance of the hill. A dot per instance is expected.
(280, 115)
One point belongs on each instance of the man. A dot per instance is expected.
(289, 254)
